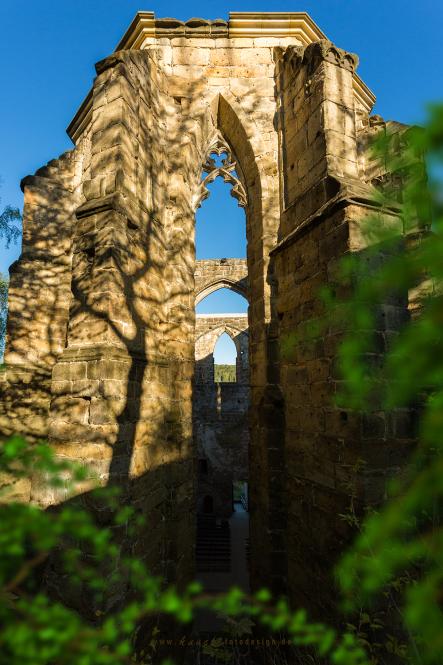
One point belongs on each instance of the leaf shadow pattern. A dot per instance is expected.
(111, 226)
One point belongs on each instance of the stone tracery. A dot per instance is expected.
(227, 170)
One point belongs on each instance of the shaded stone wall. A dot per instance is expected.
(120, 388)
(330, 454)
(101, 331)
(39, 294)
(220, 413)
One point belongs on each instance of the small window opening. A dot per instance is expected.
(225, 360)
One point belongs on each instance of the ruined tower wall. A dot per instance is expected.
(336, 460)
(122, 393)
(225, 84)
(39, 294)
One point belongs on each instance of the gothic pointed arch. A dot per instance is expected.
(227, 328)
(221, 283)
(257, 163)
(226, 170)
(242, 134)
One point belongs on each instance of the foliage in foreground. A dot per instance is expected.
(399, 550)
(38, 630)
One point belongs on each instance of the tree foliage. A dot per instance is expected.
(10, 220)
(36, 629)
(225, 373)
(10, 231)
(401, 546)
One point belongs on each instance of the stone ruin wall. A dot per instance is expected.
(213, 274)
(101, 328)
(220, 412)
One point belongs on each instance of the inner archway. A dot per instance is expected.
(221, 383)
(222, 300)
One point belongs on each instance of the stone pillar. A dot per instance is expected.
(122, 387)
(333, 457)
(317, 122)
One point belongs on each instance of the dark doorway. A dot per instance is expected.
(208, 504)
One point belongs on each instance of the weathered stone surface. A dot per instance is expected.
(213, 274)
(103, 342)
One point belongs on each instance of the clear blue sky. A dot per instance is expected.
(48, 49)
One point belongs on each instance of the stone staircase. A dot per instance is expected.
(213, 549)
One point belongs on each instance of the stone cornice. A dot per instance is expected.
(241, 24)
(132, 209)
(81, 119)
(323, 49)
(362, 93)
(41, 182)
(317, 52)
(145, 27)
(275, 24)
(142, 26)
(114, 353)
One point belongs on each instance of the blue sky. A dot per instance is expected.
(48, 49)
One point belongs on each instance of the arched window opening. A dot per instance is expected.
(240, 495)
(221, 378)
(225, 360)
(222, 301)
(220, 225)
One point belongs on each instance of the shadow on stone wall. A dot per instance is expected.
(100, 350)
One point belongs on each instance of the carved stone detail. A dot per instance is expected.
(227, 171)
(318, 51)
(171, 27)
(323, 49)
